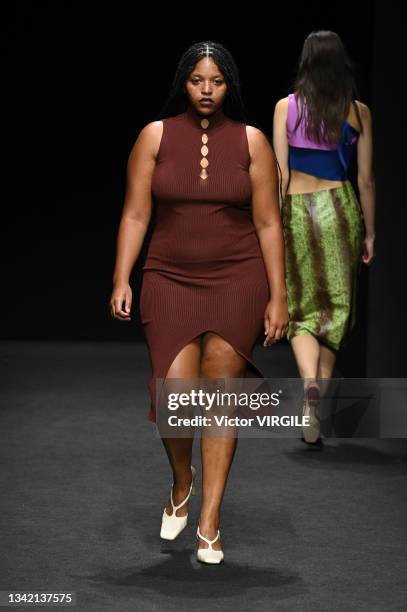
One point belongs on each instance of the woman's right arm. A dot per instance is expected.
(280, 142)
(135, 216)
(366, 181)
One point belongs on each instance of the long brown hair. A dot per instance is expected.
(325, 86)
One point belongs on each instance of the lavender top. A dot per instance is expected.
(325, 159)
(298, 138)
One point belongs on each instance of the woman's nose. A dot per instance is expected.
(206, 88)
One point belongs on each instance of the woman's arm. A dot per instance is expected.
(135, 216)
(269, 229)
(280, 142)
(366, 181)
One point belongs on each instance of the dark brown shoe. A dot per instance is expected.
(311, 432)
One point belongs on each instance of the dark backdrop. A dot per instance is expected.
(82, 80)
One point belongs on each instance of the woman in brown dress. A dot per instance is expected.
(214, 270)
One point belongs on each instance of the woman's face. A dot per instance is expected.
(206, 87)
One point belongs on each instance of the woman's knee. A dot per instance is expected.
(219, 357)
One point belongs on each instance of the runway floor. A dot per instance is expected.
(84, 479)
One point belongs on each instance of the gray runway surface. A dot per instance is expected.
(84, 479)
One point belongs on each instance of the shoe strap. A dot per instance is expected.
(175, 508)
(210, 542)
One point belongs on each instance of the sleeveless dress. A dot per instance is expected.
(204, 269)
(323, 233)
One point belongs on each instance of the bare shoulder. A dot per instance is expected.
(280, 117)
(152, 128)
(281, 106)
(152, 132)
(258, 141)
(149, 138)
(364, 110)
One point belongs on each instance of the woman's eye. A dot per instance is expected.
(197, 81)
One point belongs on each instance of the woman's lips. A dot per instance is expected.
(206, 102)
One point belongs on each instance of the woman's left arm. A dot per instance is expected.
(269, 229)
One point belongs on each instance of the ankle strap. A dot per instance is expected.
(185, 500)
(210, 542)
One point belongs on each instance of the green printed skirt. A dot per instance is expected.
(323, 233)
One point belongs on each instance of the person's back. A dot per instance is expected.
(323, 159)
(328, 233)
(313, 165)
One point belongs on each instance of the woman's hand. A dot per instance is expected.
(275, 320)
(368, 250)
(122, 293)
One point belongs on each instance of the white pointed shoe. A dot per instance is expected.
(172, 525)
(209, 555)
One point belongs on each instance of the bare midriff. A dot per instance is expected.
(300, 182)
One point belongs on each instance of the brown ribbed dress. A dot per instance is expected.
(204, 269)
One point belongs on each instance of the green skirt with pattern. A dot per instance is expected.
(323, 233)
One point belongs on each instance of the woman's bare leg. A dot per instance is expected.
(179, 450)
(315, 362)
(306, 350)
(326, 366)
(219, 360)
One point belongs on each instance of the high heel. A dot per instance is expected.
(311, 432)
(171, 524)
(209, 555)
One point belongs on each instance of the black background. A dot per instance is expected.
(80, 81)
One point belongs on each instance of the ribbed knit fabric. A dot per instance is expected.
(204, 269)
